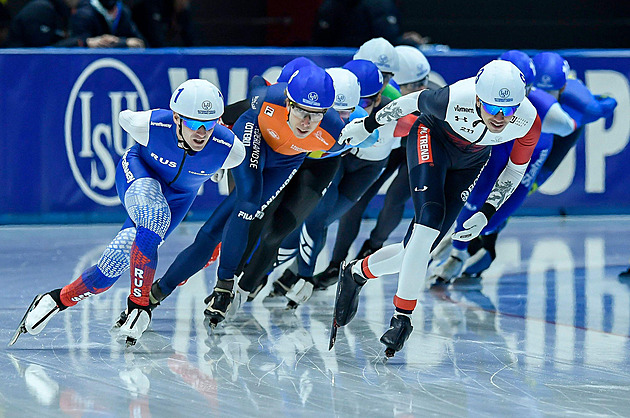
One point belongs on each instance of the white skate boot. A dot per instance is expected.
(450, 269)
(137, 322)
(41, 310)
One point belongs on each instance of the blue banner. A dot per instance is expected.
(61, 139)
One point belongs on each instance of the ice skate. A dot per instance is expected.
(39, 312)
(218, 302)
(347, 298)
(625, 274)
(300, 292)
(368, 249)
(284, 283)
(327, 278)
(240, 297)
(155, 297)
(450, 269)
(257, 289)
(395, 337)
(137, 322)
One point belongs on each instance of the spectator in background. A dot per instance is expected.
(353, 22)
(163, 23)
(5, 21)
(45, 23)
(106, 17)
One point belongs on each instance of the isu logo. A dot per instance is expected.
(424, 145)
(94, 139)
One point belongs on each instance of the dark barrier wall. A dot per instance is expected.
(61, 140)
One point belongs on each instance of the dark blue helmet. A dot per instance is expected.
(523, 62)
(290, 67)
(370, 77)
(311, 86)
(551, 71)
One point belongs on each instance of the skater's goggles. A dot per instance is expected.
(195, 124)
(494, 109)
(301, 113)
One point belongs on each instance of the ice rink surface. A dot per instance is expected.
(545, 333)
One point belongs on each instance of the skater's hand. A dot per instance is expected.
(472, 227)
(353, 133)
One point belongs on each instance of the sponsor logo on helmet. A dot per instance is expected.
(545, 81)
(206, 108)
(504, 96)
(94, 139)
(312, 99)
(383, 61)
(341, 99)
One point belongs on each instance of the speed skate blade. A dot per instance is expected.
(21, 329)
(333, 335)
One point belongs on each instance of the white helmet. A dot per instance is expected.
(413, 65)
(197, 99)
(347, 88)
(381, 53)
(500, 83)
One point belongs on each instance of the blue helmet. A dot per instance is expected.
(551, 71)
(311, 86)
(523, 62)
(290, 67)
(370, 77)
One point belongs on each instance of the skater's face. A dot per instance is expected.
(303, 121)
(498, 122)
(194, 133)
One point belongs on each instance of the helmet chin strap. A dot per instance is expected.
(183, 144)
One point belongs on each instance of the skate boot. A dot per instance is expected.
(625, 274)
(450, 269)
(368, 249)
(327, 278)
(155, 297)
(219, 302)
(399, 330)
(284, 283)
(256, 291)
(240, 297)
(300, 292)
(347, 298)
(40, 311)
(138, 320)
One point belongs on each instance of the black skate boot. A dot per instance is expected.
(155, 297)
(399, 330)
(347, 298)
(219, 302)
(368, 249)
(328, 277)
(284, 283)
(252, 295)
(625, 274)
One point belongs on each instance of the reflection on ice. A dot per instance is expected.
(544, 333)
